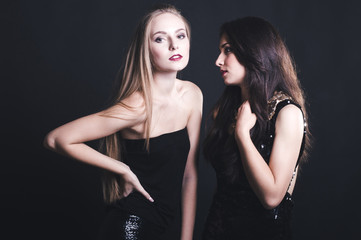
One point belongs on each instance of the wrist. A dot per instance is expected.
(242, 134)
(124, 169)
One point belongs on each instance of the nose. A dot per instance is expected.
(220, 60)
(173, 45)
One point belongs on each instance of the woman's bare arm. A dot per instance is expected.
(70, 140)
(270, 182)
(189, 189)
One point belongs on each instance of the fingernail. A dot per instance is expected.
(151, 199)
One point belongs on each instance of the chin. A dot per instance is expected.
(173, 68)
(179, 67)
(182, 65)
(228, 83)
(231, 83)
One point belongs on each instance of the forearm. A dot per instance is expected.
(258, 172)
(270, 181)
(88, 155)
(189, 201)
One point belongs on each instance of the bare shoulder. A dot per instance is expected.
(189, 91)
(131, 108)
(290, 117)
(290, 112)
(136, 100)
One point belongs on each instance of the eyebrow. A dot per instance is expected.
(224, 44)
(162, 32)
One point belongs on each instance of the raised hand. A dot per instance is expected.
(245, 119)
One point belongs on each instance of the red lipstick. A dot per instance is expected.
(176, 57)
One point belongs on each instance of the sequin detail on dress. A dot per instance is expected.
(274, 101)
(132, 227)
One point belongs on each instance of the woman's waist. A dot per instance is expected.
(235, 194)
(162, 211)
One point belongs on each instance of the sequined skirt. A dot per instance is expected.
(120, 225)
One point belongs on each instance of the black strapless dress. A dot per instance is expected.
(236, 213)
(160, 171)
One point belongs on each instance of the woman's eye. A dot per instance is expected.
(181, 36)
(158, 40)
(227, 49)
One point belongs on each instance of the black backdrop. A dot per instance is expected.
(58, 62)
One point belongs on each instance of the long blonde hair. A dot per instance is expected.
(137, 77)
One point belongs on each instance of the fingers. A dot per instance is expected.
(145, 194)
(141, 189)
(133, 182)
(128, 189)
(245, 108)
(244, 105)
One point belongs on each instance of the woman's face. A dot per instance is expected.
(169, 43)
(233, 72)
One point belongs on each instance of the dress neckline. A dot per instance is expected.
(156, 137)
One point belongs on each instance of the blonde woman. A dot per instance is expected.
(150, 133)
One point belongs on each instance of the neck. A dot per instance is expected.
(163, 83)
(245, 93)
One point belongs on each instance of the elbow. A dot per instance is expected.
(271, 202)
(190, 177)
(50, 141)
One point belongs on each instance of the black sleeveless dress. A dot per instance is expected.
(160, 171)
(236, 212)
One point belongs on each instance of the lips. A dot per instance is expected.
(176, 57)
(223, 72)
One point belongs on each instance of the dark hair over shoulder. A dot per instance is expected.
(258, 46)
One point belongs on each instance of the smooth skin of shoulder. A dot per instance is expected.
(191, 95)
(270, 182)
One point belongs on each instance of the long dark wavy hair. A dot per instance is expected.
(258, 46)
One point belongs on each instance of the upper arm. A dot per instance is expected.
(195, 100)
(94, 126)
(287, 144)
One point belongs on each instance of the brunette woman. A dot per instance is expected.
(258, 137)
(151, 136)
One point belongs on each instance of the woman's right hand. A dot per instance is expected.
(246, 119)
(131, 183)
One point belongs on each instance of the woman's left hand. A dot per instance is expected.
(245, 119)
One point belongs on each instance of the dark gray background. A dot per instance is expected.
(58, 62)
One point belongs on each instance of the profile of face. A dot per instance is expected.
(169, 43)
(232, 71)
